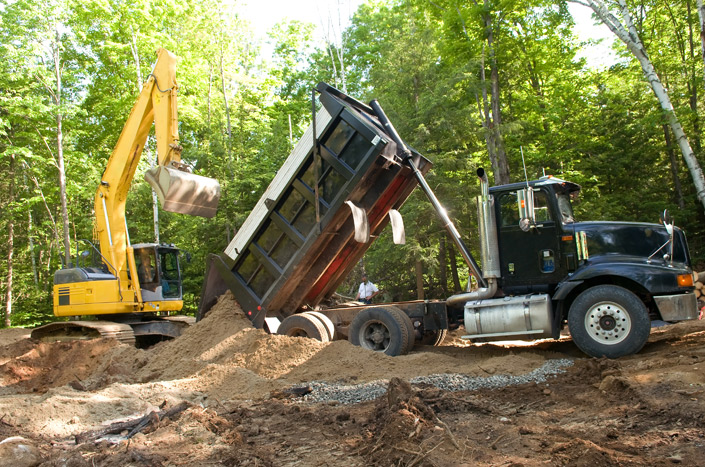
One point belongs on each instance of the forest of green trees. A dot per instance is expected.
(466, 83)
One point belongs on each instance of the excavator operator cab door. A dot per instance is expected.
(158, 271)
(169, 273)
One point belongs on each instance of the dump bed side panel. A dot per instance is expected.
(286, 255)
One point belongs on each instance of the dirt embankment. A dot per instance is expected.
(640, 410)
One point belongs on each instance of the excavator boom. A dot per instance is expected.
(177, 188)
(136, 280)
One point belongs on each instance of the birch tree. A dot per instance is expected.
(701, 18)
(626, 31)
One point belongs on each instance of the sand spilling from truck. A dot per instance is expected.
(220, 358)
(629, 411)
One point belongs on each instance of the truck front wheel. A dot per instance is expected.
(609, 321)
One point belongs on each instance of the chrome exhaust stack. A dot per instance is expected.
(489, 243)
(489, 246)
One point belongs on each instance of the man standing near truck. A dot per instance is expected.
(367, 291)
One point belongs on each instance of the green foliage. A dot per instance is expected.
(240, 116)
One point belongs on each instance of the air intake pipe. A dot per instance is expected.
(489, 243)
(489, 246)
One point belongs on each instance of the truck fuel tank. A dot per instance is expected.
(522, 317)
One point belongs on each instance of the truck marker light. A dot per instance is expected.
(685, 280)
(567, 238)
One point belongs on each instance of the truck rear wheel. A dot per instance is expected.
(609, 321)
(327, 323)
(411, 332)
(381, 330)
(434, 338)
(303, 325)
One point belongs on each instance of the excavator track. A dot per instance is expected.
(79, 330)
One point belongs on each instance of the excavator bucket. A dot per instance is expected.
(184, 192)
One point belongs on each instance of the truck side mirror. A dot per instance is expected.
(667, 221)
(527, 216)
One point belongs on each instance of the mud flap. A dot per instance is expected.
(184, 192)
(397, 227)
(362, 225)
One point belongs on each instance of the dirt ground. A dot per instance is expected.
(228, 387)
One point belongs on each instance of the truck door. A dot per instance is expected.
(529, 260)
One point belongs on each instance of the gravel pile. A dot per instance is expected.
(354, 394)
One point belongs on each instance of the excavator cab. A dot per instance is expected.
(158, 271)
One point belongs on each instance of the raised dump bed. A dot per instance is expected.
(288, 256)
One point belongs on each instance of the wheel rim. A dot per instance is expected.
(375, 336)
(608, 323)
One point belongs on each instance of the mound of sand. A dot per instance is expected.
(76, 385)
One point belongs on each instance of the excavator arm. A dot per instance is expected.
(177, 188)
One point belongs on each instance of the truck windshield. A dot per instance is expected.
(566, 209)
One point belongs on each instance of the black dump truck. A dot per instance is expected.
(541, 269)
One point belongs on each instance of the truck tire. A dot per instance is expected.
(327, 323)
(381, 330)
(411, 332)
(303, 325)
(434, 338)
(609, 321)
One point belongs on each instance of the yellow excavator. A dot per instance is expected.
(130, 286)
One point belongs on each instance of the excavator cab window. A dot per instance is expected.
(145, 259)
(170, 274)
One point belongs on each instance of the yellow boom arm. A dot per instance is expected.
(177, 188)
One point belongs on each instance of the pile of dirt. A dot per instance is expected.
(405, 429)
(641, 409)
(42, 366)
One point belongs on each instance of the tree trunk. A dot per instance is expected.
(419, 281)
(674, 167)
(484, 110)
(692, 83)
(210, 89)
(10, 244)
(454, 269)
(30, 233)
(701, 17)
(443, 265)
(341, 54)
(60, 152)
(502, 175)
(227, 114)
(136, 57)
(628, 34)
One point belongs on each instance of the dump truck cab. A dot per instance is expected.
(536, 257)
(607, 280)
(556, 254)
